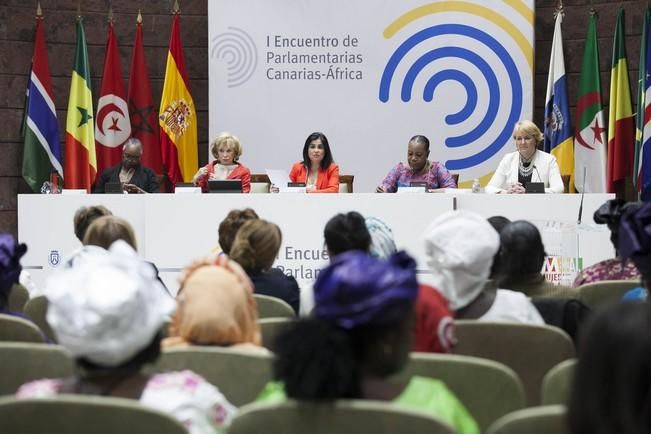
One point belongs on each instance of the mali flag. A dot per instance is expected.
(621, 125)
(80, 165)
(177, 115)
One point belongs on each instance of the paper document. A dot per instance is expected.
(280, 178)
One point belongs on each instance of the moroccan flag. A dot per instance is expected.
(590, 139)
(144, 124)
(642, 163)
(80, 163)
(621, 124)
(112, 124)
(559, 135)
(177, 115)
(42, 152)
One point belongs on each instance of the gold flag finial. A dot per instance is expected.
(110, 14)
(79, 9)
(559, 9)
(139, 18)
(175, 9)
(39, 11)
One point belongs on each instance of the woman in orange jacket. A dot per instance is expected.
(317, 170)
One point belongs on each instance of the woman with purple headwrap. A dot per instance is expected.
(10, 268)
(359, 335)
(635, 245)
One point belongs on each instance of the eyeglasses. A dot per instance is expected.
(130, 157)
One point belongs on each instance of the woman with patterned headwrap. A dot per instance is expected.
(635, 245)
(10, 253)
(359, 335)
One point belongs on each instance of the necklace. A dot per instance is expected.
(525, 168)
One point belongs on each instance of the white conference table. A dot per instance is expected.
(173, 229)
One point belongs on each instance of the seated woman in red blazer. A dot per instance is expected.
(317, 170)
(227, 150)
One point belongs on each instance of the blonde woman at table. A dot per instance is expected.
(226, 149)
(526, 164)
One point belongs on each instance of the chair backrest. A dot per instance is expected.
(344, 416)
(22, 362)
(530, 350)
(83, 414)
(566, 183)
(535, 420)
(18, 296)
(557, 383)
(455, 176)
(273, 307)
(260, 183)
(599, 293)
(486, 388)
(36, 310)
(270, 328)
(240, 375)
(15, 329)
(346, 183)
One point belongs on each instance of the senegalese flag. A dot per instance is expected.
(80, 162)
(177, 115)
(621, 123)
(642, 163)
(590, 138)
(559, 135)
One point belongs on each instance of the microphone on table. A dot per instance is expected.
(585, 169)
(537, 173)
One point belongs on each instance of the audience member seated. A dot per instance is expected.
(86, 215)
(417, 169)
(433, 325)
(612, 380)
(521, 259)
(255, 248)
(317, 170)
(215, 307)
(226, 149)
(130, 173)
(231, 224)
(345, 232)
(527, 164)
(498, 223)
(460, 246)
(108, 311)
(635, 245)
(10, 253)
(358, 336)
(617, 268)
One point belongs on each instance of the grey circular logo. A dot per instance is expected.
(237, 50)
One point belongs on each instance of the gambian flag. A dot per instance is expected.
(559, 135)
(590, 139)
(42, 153)
(80, 162)
(177, 116)
(621, 124)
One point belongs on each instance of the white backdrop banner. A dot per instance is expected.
(370, 74)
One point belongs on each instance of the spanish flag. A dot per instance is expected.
(621, 124)
(80, 165)
(177, 115)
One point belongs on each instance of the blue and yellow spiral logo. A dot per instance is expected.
(469, 54)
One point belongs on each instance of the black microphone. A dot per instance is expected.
(585, 169)
(537, 173)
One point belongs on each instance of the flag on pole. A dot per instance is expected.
(590, 139)
(621, 124)
(80, 165)
(558, 134)
(42, 152)
(642, 162)
(144, 124)
(177, 114)
(112, 123)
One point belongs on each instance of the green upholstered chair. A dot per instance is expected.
(17, 298)
(546, 419)
(530, 350)
(598, 293)
(239, 375)
(270, 328)
(15, 329)
(83, 414)
(36, 310)
(343, 416)
(22, 362)
(273, 307)
(486, 388)
(557, 383)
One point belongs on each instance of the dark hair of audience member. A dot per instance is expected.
(611, 387)
(521, 254)
(327, 154)
(231, 224)
(497, 222)
(87, 215)
(611, 213)
(345, 232)
(104, 231)
(256, 245)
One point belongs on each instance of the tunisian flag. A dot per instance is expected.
(112, 125)
(178, 116)
(144, 124)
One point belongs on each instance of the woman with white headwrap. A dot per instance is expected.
(108, 311)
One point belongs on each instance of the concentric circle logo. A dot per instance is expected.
(473, 58)
(238, 51)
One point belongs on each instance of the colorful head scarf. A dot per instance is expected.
(357, 289)
(635, 238)
(10, 253)
(382, 242)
